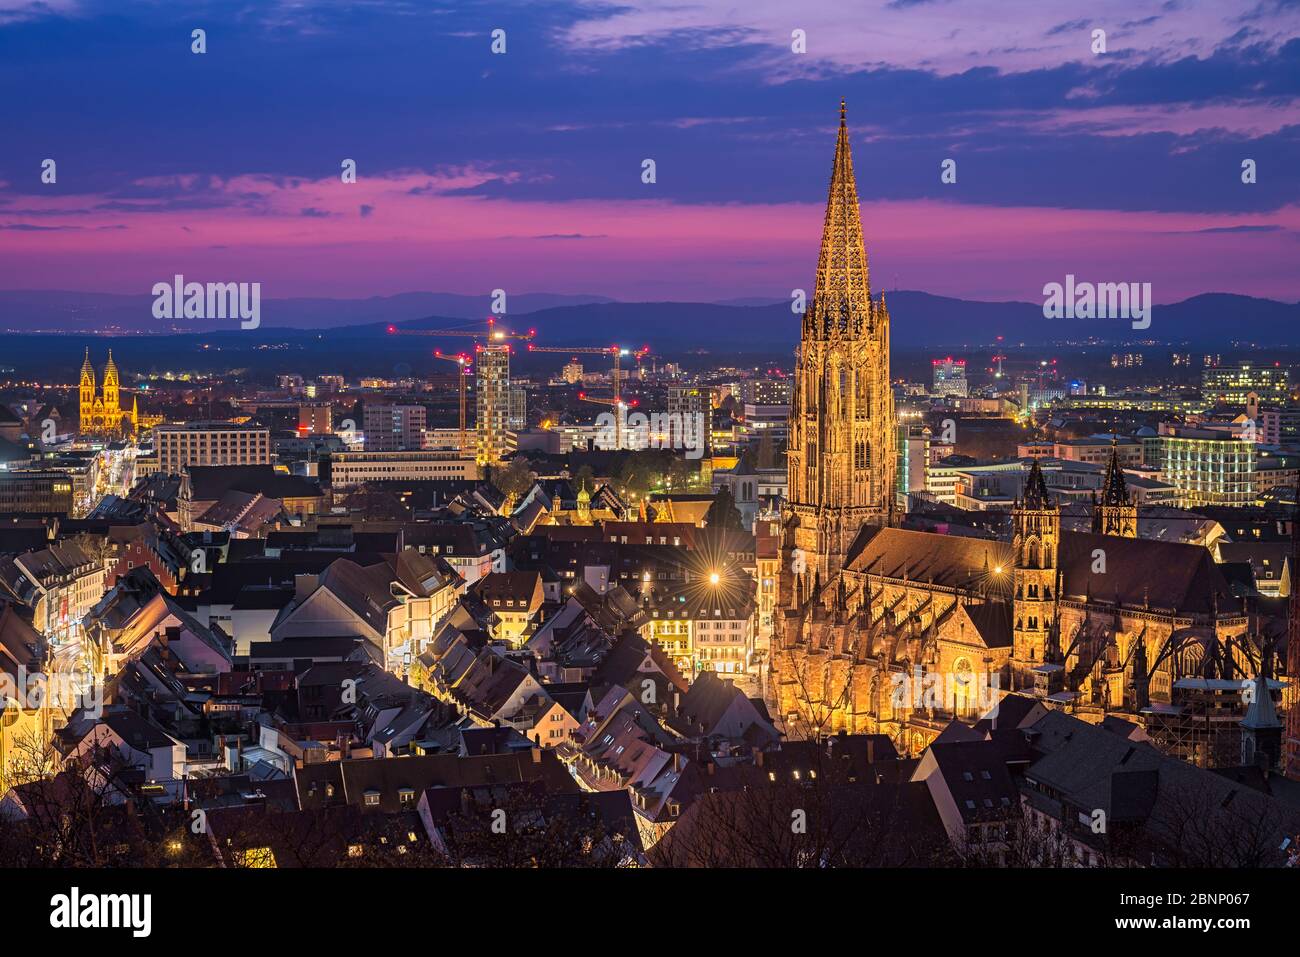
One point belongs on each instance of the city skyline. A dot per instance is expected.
(523, 170)
(472, 466)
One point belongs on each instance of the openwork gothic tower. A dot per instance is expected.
(841, 459)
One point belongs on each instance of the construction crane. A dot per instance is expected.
(617, 401)
(493, 337)
(463, 361)
(492, 334)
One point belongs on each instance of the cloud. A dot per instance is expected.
(1264, 228)
(571, 236)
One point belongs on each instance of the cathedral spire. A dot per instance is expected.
(841, 303)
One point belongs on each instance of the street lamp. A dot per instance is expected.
(714, 578)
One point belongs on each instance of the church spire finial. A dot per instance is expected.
(843, 121)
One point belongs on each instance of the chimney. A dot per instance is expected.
(758, 757)
(713, 766)
(537, 755)
(677, 761)
(871, 749)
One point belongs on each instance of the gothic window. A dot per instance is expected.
(864, 396)
(860, 457)
(1033, 591)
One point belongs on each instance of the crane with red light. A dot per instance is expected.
(463, 361)
(617, 401)
(493, 337)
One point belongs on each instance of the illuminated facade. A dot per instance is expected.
(102, 415)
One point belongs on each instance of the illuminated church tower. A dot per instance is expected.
(841, 457)
(102, 416)
(87, 392)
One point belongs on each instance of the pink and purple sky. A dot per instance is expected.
(523, 171)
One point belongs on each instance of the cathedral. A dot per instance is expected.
(868, 613)
(102, 415)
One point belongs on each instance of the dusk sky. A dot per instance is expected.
(523, 171)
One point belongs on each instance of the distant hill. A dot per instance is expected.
(54, 311)
(919, 319)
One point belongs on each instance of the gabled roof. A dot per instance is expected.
(992, 621)
(706, 702)
(976, 774)
(633, 656)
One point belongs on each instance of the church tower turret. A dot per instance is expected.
(112, 394)
(1036, 525)
(86, 407)
(1115, 514)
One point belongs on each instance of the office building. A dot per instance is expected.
(1231, 384)
(353, 468)
(393, 428)
(211, 443)
(950, 376)
(36, 492)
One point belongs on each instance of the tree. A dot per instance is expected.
(585, 476)
(520, 825)
(515, 479)
(680, 475)
(723, 512)
(76, 812)
(813, 809)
